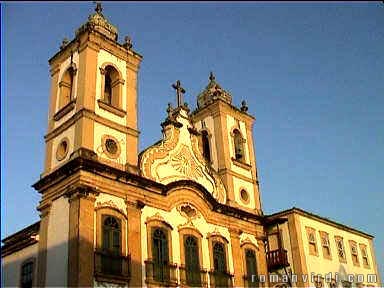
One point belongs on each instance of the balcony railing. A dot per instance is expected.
(251, 281)
(193, 278)
(112, 266)
(221, 279)
(164, 274)
(277, 259)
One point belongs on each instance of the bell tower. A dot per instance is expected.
(93, 98)
(227, 144)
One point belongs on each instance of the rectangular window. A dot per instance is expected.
(324, 237)
(354, 253)
(27, 275)
(364, 255)
(340, 249)
(311, 235)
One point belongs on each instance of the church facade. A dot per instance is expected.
(185, 211)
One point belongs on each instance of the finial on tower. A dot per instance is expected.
(244, 106)
(169, 110)
(211, 76)
(64, 43)
(98, 7)
(179, 93)
(128, 42)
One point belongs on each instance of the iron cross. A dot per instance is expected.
(179, 93)
(98, 8)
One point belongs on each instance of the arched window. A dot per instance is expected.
(219, 259)
(112, 86)
(66, 87)
(239, 147)
(108, 89)
(250, 261)
(27, 274)
(206, 147)
(160, 255)
(220, 265)
(192, 264)
(111, 263)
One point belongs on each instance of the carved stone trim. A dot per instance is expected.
(248, 241)
(117, 111)
(216, 234)
(65, 110)
(104, 144)
(159, 218)
(189, 226)
(111, 205)
(241, 164)
(159, 150)
(60, 155)
(93, 116)
(81, 191)
(188, 211)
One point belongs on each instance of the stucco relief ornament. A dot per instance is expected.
(177, 157)
(183, 162)
(188, 211)
(109, 204)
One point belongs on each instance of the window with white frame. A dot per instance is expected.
(340, 248)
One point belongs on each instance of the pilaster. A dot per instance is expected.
(81, 238)
(134, 242)
(237, 257)
(262, 267)
(42, 251)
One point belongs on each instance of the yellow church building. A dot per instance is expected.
(185, 212)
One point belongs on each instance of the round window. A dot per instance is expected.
(62, 149)
(244, 195)
(110, 146)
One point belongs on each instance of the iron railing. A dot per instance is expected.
(193, 277)
(277, 259)
(251, 281)
(164, 274)
(221, 279)
(111, 265)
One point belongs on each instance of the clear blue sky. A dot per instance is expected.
(312, 74)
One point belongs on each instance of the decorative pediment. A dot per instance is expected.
(178, 157)
(110, 204)
(248, 239)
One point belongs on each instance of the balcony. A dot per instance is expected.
(221, 279)
(193, 278)
(251, 281)
(110, 267)
(277, 259)
(161, 275)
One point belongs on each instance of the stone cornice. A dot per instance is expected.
(93, 116)
(219, 104)
(85, 162)
(20, 239)
(298, 211)
(96, 40)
